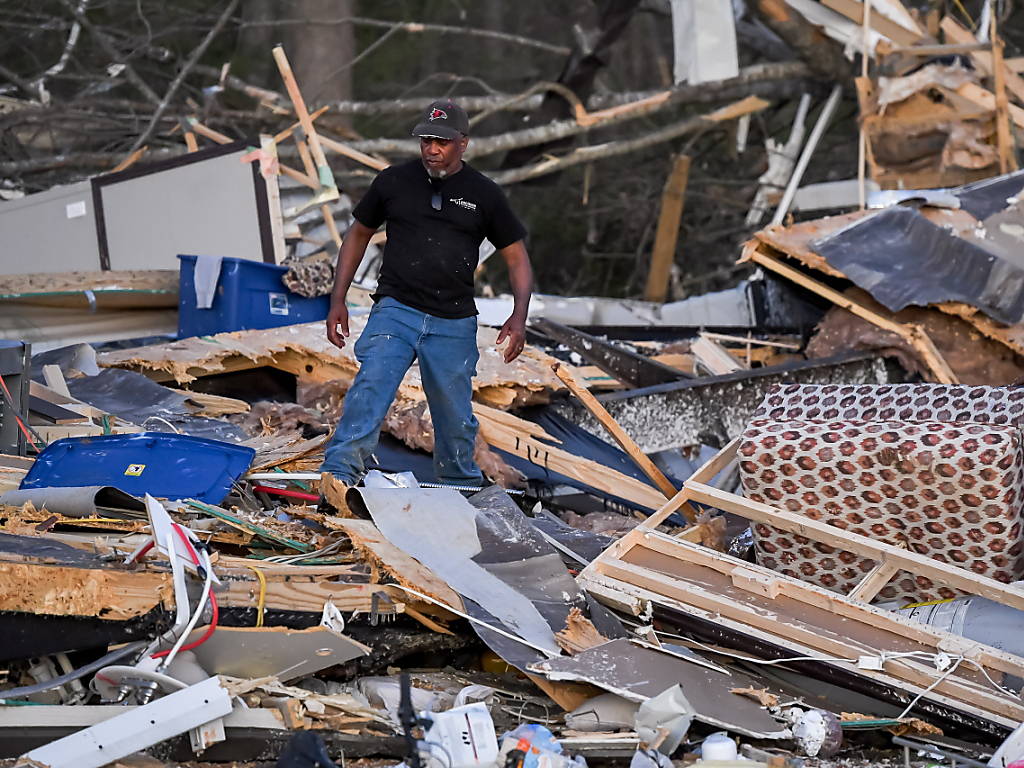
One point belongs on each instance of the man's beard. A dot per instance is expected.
(437, 173)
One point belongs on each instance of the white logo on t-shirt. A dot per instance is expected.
(465, 204)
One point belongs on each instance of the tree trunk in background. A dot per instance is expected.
(578, 74)
(321, 54)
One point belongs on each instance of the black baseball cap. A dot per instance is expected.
(444, 119)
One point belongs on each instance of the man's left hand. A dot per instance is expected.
(514, 330)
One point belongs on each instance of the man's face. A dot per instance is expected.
(441, 156)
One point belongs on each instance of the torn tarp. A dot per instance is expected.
(902, 259)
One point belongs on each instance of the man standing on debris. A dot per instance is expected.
(438, 210)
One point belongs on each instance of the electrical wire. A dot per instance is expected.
(207, 594)
(931, 687)
(261, 600)
(75, 674)
(883, 657)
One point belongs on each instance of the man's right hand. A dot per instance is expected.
(337, 324)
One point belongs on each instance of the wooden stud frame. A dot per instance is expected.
(913, 334)
(647, 566)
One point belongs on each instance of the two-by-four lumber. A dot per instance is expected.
(913, 334)
(673, 198)
(627, 443)
(816, 530)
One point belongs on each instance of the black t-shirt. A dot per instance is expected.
(430, 256)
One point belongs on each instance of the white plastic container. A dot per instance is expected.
(462, 737)
(718, 746)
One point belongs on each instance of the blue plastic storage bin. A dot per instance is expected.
(249, 295)
(159, 463)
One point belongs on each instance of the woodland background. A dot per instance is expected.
(71, 108)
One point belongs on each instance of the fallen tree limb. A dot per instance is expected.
(613, 148)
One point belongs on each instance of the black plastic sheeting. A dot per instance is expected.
(902, 259)
(985, 198)
(136, 398)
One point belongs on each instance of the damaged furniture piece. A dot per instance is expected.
(768, 616)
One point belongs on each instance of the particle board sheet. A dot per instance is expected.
(304, 350)
(120, 289)
(804, 619)
(638, 673)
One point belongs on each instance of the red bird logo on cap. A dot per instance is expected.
(437, 114)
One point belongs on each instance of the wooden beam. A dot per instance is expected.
(1004, 138)
(517, 436)
(913, 334)
(325, 209)
(854, 10)
(354, 154)
(673, 199)
(922, 565)
(987, 100)
(984, 61)
(830, 643)
(615, 430)
(872, 584)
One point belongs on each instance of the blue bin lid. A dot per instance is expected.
(162, 464)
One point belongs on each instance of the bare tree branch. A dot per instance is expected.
(768, 76)
(613, 148)
(185, 69)
(108, 47)
(412, 27)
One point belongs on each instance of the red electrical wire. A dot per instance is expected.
(286, 492)
(21, 424)
(215, 610)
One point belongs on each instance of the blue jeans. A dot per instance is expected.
(395, 335)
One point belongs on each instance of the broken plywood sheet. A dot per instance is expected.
(402, 567)
(305, 351)
(50, 578)
(118, 289)
(286, 654)
(637, 673)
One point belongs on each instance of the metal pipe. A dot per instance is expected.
(805, 157)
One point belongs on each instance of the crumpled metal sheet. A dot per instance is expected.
(984, 198)
(902, 259)
(79, 501)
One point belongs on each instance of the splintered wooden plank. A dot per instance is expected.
(404, 569)
(621, 436)
(58, 590)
